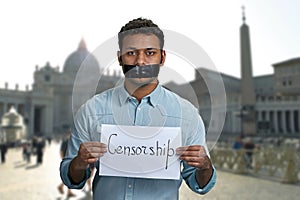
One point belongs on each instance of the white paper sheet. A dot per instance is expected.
(140, 151)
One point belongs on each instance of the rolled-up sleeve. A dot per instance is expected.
(64, 174)
(194, 186)
(79, 134)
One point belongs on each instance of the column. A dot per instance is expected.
(5, 107)
(1, 109)
(298, 114)
(259, 120)
(259, 113)
(275, 122)
(292, 124)
(31, 122)
(236, 125)
(17, 107)
(268, 121)
(48, 125)
(283, 121)
(272, 126)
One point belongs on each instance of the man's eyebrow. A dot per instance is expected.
(134, 48)
(152, 48)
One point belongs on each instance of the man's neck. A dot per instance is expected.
(140, 91)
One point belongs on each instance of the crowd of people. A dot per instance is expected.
(35, 146)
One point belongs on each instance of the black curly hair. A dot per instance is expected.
(141, 25)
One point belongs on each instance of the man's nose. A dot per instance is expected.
(140, 60)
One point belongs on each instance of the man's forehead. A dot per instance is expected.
(141, 41)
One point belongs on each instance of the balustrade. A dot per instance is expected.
(278, 163)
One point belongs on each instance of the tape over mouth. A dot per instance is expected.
(145, 71)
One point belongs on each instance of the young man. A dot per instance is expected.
(140, 101)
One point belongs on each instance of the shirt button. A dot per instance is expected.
(139, 109)
(129, 185)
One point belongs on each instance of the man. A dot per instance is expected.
(249, 147)
(3, 150)
(62, 152)
(140, 101)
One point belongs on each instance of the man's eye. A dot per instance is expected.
(130, 53)
(150, 53)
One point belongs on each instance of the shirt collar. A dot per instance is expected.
(122, 94)
(154, 95)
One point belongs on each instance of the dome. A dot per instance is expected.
(75, 60)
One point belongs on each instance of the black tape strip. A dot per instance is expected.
(145, 71)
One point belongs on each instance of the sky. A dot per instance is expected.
(34, 32)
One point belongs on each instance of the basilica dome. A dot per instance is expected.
(78, 58)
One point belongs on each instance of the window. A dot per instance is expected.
(284, 83)
(47, 78)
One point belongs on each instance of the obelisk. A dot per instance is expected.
(248, 118)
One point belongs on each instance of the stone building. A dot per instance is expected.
(48, 108)
(267, 106)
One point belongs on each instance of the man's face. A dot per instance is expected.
(141, 49)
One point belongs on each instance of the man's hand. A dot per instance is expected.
(88, 153)
(196, 156)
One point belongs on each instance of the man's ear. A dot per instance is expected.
(163, 57)
(120, 58)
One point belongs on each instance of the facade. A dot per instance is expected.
(48, 108)
(277, 105)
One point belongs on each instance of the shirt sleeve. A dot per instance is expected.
(64, 174)
(190, 179)
(79, 134)
(195, 135)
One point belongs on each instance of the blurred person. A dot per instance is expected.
(238, 143)
(62, 152)
(3, 149)
(249, 147)
(27, 148)
(40, 144)
(49, 140)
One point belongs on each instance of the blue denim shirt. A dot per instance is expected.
(160, 108)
